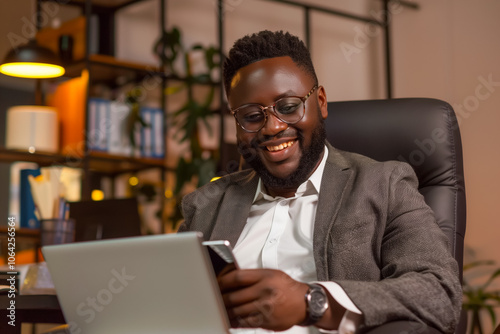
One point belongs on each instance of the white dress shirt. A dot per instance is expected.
(279, 235)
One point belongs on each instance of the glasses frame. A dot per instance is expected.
(272, 108)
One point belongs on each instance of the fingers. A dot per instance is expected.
(254, 320)
(258, 313)
(254, 292)
(252, 314)
(249, 300)
(237, 279)
(263, 298)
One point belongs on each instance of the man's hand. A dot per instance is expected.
(263, 298)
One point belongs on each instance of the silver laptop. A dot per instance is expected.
(148, 284)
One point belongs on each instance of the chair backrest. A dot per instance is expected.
(422, 132)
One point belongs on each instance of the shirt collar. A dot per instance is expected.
(314, 180)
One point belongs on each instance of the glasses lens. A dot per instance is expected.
(290, 109)
(251, 118)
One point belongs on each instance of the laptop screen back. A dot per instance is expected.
(149, 284)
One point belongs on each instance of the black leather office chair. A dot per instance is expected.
(424, 133)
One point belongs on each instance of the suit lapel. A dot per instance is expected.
(234, 209)
(333, 187)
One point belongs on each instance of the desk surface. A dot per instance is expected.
(30, 309)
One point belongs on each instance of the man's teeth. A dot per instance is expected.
(280, 146)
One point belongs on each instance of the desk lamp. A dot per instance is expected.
(32, 61)
(32, 127)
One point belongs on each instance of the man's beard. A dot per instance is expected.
(308, 161)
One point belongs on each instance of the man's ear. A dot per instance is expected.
(323, 102)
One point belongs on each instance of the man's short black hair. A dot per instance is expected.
(263, 45)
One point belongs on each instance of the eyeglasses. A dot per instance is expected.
(291, 109)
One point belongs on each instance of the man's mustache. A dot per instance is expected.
(289, 132)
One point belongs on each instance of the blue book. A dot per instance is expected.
(27, 205)
(98, 124)
(152, 136)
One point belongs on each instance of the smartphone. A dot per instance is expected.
(221, 256)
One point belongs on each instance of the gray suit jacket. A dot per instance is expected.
(374, 235)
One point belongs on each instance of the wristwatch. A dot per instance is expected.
(316, 304)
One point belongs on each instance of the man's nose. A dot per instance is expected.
(273, 125)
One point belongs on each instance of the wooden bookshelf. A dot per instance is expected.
(104, 163)
(110, 4)
(113, 164)
(107, 69)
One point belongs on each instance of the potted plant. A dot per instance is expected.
(478, 298)
(199, 166)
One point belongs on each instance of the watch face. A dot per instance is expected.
(319, 302)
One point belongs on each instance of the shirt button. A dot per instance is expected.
(272, 241)
(283, 203)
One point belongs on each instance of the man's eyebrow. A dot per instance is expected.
(285, 94)
(280, 96)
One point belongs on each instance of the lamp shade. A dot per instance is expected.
(32, 61)
(32, 128)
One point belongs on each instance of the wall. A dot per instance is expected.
(450, 50)
(198, 21)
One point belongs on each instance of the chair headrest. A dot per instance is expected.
(422, 132)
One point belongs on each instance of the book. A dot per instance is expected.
(27, 216)
(118, 136)
(152, 136)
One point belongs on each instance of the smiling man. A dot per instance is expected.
(286, 143)
(326, 240)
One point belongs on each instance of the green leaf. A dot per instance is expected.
(168, 46)
(209, 99)
(170, 90)
(494, 295)
(477, 263)
(492, 277)
(183, 109)
(211, 53)
(491, 311)
(207, 126)
(184, 174)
